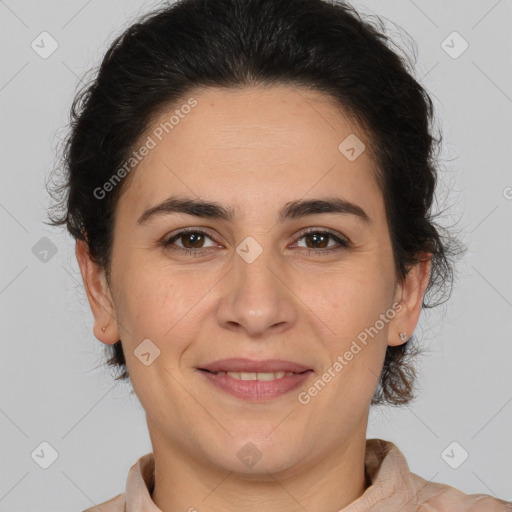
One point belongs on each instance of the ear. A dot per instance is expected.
(410, 295)
(98, 294)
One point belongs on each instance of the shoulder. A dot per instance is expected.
(116, 504)
(436, 497)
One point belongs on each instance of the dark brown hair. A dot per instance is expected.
(320, 45)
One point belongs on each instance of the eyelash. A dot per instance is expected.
(344, 243)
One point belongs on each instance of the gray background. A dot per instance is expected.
(53, 387)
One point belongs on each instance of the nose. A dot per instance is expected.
(257, 297)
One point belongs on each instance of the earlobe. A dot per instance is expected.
(98, 294)
(412, 291)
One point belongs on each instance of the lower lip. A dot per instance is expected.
(257, 390)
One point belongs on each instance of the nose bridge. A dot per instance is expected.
(252, 269)
(256, 297)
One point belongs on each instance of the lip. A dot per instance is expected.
(240, 364)
(256, 390)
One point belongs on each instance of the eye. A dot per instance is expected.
(192, 241)
(319, 241)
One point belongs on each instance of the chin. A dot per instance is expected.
(255, 459)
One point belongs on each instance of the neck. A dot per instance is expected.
(329, 483)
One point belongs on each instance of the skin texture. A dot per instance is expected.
(254, 150)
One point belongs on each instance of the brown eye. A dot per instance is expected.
(191, 242)
(194, 239)
(319, 240)
(189, 239)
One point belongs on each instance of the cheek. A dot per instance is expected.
(154, 308)
(357, 311)
(159, 303)
(353, 298)
(146, 303)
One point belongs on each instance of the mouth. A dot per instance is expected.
(256, 381)
(244, 365)
(260, 376)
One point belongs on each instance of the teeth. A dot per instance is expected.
(256, 376)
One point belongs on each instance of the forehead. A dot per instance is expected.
(254, 144)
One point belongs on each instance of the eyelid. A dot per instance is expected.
(343, 241)
(183, 231)
(328, 231)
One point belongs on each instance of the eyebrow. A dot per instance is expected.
(292, 210)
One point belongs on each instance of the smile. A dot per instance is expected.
(256, 376)
(256, 386)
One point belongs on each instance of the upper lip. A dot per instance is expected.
(240, 364)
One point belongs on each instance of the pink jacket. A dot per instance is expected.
(393, 488)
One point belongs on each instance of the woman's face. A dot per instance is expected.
(255, 286)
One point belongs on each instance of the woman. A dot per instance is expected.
(249, 183)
